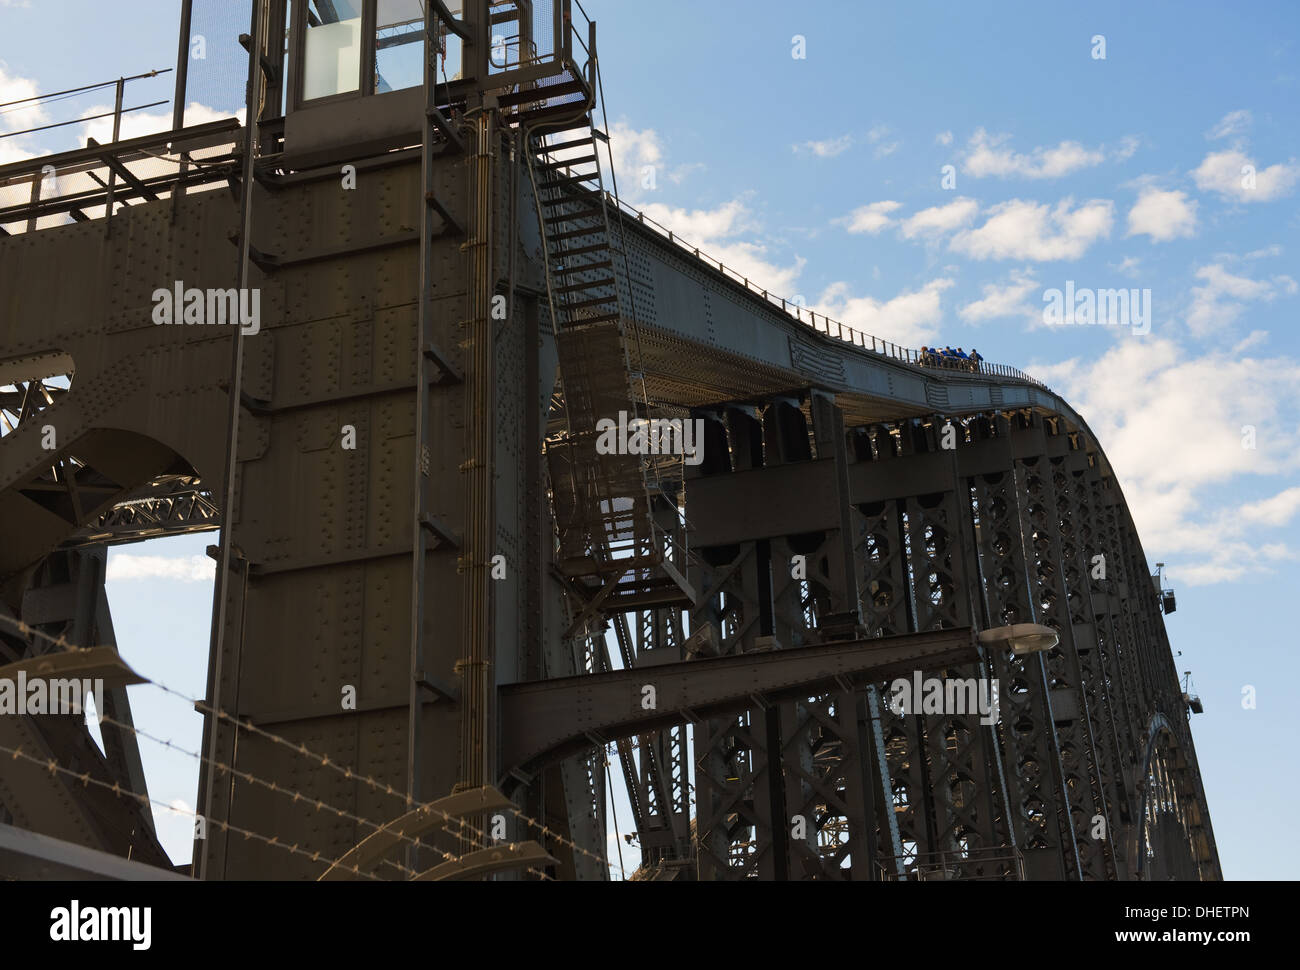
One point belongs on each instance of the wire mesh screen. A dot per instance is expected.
(50, 191)
(62, 189)
(218, 65)
(522, 32)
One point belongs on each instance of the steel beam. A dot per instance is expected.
(545, 720)
(29, 856)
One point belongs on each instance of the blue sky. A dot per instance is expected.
(823, 176)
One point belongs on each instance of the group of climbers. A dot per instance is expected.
(947, 357)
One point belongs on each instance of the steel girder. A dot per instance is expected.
(67, 603)
(784, 790)
(947, 789)
(1007, 526)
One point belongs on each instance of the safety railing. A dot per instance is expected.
(576, 25)
(538, 49)
(39, 100)
(991, 863)
(93, 182)
(831, 327)
(110, 172)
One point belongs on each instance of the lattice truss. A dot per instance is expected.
(1048, 791)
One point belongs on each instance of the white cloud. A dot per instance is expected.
(870, 218)
(940, 218)
(1019, 229)
(1007, 300)
(1277, 510)
(715, 232)
(943, 138)
(1162, 215)
(139, 123)
(1131, 398)
(825, 149)
(639, 158)
(1231, 124)
(702, 224)
(1253, 339)
(878, 136)
(1128, 266)
(1220, 299)
(727, 232)
(987, 155)
(19, 117)
(1228, 174)
(22, 117)
(753, 261)
(910, 319)
(1128, 146)
(1265, 252)
(931, 222)
(124, 567)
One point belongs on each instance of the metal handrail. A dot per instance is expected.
(831, 327)
(574, 24)
(116, 113)
(921, 865)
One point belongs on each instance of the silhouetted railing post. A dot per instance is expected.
(112, 175)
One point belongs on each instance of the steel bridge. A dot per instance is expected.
(407, 458)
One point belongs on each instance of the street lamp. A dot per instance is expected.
(1023, 638)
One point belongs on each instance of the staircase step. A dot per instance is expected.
(574, 196)
(598, 301)
(591, 213)
(583, 250)
(595, 284)
(541, 94)
(568, 162)
(571, 180)
(561, 113)
(574, 234)
(558, 146)
(583, 267)
(599, 318)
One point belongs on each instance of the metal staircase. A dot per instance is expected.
(608, 538)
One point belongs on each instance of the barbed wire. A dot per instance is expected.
(275, 786)
(116, 788)
(476, 834)
(547, 831)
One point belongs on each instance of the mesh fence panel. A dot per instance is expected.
(71, 183)
(217, 78)
(522, 33)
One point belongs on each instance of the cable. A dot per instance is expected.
(544, 830)
(87, 87)
(613, 805)
(77, 121)
(84, 777)
(301, 749)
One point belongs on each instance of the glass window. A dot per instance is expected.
(333, 57)
(399, 34)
